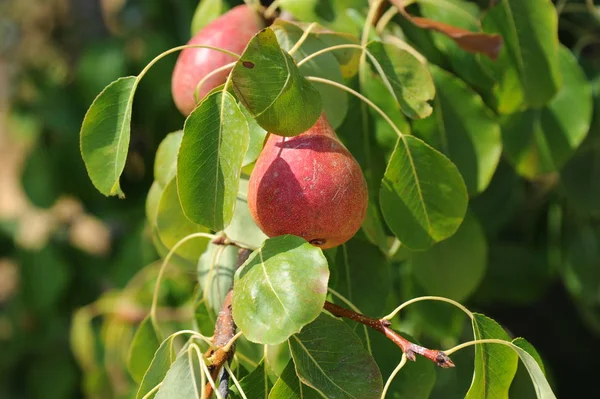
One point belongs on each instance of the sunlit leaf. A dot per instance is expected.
(328, 355)
(269, 84)
(215, 273)
(463, 128)
(257, 138)
(215, 140)
(406, 77)
(242, 228)
(279, 289)
(423, 196)
(182, 381)
(165, 162)
(206, 12)
(105, 135)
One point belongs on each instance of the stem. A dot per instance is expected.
(478, 341)
(206, 371)
(381, 325)
(373, 8)
(385, 19)
(231, 342)
(162, 271)
(360, 96)
(271, 9)
(208, 76)
(235, 381)
(150, 392)
(393, 375)
(328, 49)
(428, 298)
(394, 248)
(302, 38)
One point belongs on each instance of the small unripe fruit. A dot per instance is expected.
(231, 31)
(309, 186)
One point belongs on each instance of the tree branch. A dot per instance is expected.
(224, 332)
(383, 326)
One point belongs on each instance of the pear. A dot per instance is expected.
(310, 186)
(231, 31)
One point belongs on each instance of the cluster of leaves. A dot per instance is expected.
(428, 123)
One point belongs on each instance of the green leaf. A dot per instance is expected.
(153, 201)
(255, 385)
(533, 363)
(530, 33)
(161, 362)
(335, 101)
(423, 196)
(279, 289)
(210, 158)
(141, 352)
(182, 381)
(242, 228)
(172, 225)
(269, 84)
(83, 342)
(579, 178)
(289, 386)
(206, 12)
(406, 77)
(328, 355)
(453, 268)
(541, 141)
(362, 274)
(257, 138)
(581, 273)
(461, 14)
(463, 128)
(204, 316)
(216, 268)
(495, 365)
(105, 135)
(165, 162)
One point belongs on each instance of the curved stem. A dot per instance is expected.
(302, 38)
(162, 271)
(151, 392)
(328, 49)
(206, 372)
(178, 48)
(227, 347)
(193, 333)
(428, 298)
(369, 21)
(235, 381)
(476, 342)
(360, 96)
(394, 248)
(385, 19)
(393, 375)
(208, 76)
(271, 9)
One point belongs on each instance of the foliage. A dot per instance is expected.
(466, 156)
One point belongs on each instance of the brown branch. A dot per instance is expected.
(383, 326)
(224, 331)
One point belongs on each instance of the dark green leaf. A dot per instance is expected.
(172, 225)
(144, 344)
(495, 365)
(463, 128)
(406, 77)
(280, 289)
(530, 33)
(329, 356)
(105, 135)
(453, 268)
(541, 141)
(289, 386)
(423, 197)
(579, 178)
(269, 84)
(210, 158)
(161, 362)
(255, 385)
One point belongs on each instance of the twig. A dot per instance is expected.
(224, 333)
(383, 326)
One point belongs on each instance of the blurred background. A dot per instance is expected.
(63, 245)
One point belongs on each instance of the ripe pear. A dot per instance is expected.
(231, 31)
(310, 186)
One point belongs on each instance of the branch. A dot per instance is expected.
(383, 326)
(224, 332)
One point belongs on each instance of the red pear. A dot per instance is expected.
(309, 186)
(231, 31)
